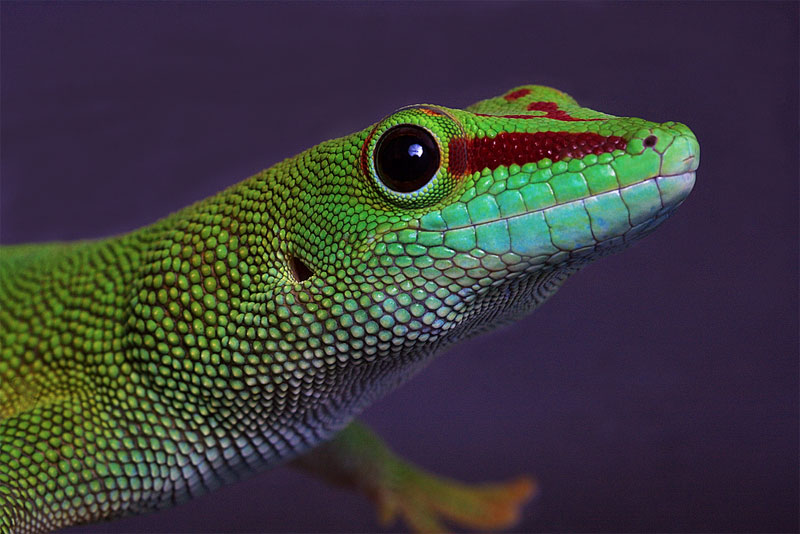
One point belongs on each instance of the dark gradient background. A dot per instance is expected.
(657, 391)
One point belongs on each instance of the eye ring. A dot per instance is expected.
(407, 157)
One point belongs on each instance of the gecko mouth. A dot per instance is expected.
(600, 223)
(672, 190)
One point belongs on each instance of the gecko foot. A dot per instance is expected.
(424, 501)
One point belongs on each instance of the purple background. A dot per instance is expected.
(658, 390)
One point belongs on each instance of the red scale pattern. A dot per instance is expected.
(551, 108)
(519, 93)
(521, 148)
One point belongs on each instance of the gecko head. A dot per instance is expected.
(515, 192)
(436, 224)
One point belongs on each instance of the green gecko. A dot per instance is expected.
(249, 329)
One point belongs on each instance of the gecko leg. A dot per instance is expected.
(359, 460)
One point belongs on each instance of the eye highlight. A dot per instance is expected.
(407, 158)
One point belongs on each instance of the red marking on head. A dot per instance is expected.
(519, 93)
(431, 112)
(510, 116)
(522, 148)
(551, 108)
(457, 156)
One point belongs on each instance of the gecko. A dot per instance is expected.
(249, 329)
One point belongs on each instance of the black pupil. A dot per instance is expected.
(406, 158)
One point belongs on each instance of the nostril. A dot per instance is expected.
(650, 141)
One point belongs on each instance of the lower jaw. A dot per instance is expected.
(673, 190)
(578, 244)
(582, 239)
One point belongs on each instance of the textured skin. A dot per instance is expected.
(140, 370)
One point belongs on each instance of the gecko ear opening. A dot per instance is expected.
(300, 271)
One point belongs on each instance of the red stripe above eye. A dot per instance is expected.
(521, 148)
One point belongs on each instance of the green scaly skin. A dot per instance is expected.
(144, 369)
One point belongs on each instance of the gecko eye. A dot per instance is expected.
(406, 158)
